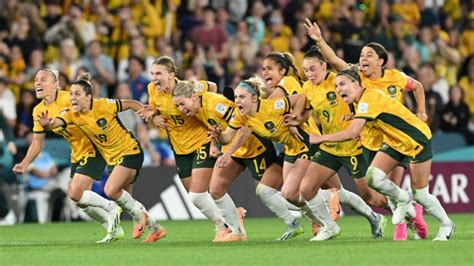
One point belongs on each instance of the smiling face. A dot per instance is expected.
(314, 70)
(79, 100)
(272, 73)
(348, 89)
(369, 61)
(244, 100)
(45, 84)
(188, 106)
(161, 77)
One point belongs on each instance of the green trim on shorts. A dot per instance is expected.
(356, 166)
(425, 155)
(92, 167)
(258, 165)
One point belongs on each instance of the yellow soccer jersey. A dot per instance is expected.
(401, 129)
(104, 129)
(268, 123)
(392, 83)
(217, 110)
(80, 145)
(186, 134)
(329, 107)
(289, 85)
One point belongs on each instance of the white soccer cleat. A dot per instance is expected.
(327, 232)
(293, 231)
(377, 225)
(445, 232)
(113, 219)
(114, 236)
(403, 209)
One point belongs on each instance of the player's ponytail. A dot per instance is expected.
(84, 80)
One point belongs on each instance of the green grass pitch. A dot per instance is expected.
(189, 243)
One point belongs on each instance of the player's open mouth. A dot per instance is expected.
(39, 90)
(268, 81)
(364, 67)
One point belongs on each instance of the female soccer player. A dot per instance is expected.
(86, 163)
(282, 78)
(392, 82)
(405, 137)
(97, 119)
(329, 108)
(266, 118)
(188, 137)
(256, 153)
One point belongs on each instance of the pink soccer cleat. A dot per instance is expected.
(419, 222)
(400, 232)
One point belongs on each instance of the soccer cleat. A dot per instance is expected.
(333, 204)
(419, 222)
(403, 209)
(315, 228)
(155, 235)
(234, 238)
(327, 232)
(113, 219)
(220, 234)
(140, 225)
(377, 225)
(114, 236)
(400, 232)
(293, 231)
(445, 232)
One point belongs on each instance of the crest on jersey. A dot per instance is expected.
(102, 123)
(221, 109)
(392, 90)
(362, 108)
(212, 122)
(280, 104)
(332, 98)
(199, 87)
(270, 126)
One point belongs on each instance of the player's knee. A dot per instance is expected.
(216, 192)
(290, 194)
(74, 193)
(374, 176)
(111, 192)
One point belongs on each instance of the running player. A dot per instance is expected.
(256, 153)
(266, 118)
(329, 108)
(392, 82)
(97, 119)
(405, 137)
(86, 163)
(188, 137)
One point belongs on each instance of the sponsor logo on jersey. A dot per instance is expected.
(362, 108)
(221, 109)
(280, 104)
